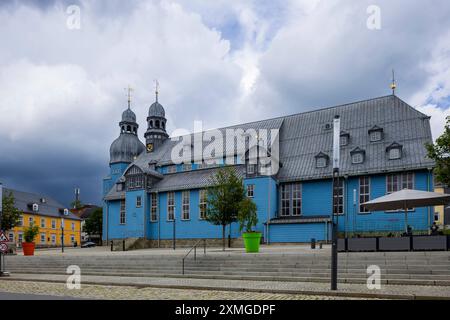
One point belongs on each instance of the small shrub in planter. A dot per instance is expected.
(29, 234)
(247, 220)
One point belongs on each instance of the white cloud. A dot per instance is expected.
(438, 118)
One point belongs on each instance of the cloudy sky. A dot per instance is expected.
(221, 62)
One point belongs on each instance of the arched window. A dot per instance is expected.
(163, 124)
(157, 123)
(151, 123)
(128, 129)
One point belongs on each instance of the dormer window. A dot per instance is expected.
(394, 151)
(43, 200)
(35, 207)
(321, 160)
(376, 134)
(358, 155)
(251, 168)
(345, 138)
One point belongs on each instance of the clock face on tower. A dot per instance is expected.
(149, 147)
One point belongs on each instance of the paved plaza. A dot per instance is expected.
(48, 289)
(144, 274)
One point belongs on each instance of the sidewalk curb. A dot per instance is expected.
(274, 291)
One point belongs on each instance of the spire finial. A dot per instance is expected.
(129, 90)
(393, 84)
(156, 89)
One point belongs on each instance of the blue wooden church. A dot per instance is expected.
(382, 150)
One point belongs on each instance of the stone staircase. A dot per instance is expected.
(412, 268)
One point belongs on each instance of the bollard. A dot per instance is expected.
(112, 245)
(123, 245)
(313, 243)
(320, 245)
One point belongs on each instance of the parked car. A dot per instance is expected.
(88, 245)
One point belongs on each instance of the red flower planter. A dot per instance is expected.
(28, 248)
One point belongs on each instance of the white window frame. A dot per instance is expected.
(30, 220)
(285, 193)
(400, 184)
(357, 158)
(43, 222)
(20, 224)
(340, 196)
(53, 224)
(250, 191)
(251, 168)
(153, 207)
(363, 182)
(138, 201)
(397, 155)
(122, 212)
(170, 206)
(186, 204)
(53, 238)
(202, 194)
(20, 237)
(45, 238)
(11, 236)
(296, 196)
(376, 136)
(321, 162)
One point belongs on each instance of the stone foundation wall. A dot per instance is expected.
(139, 243)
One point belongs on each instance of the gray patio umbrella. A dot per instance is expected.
(405, 199)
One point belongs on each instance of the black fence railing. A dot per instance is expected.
(407, 243)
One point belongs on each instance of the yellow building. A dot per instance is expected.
(439, 210)
(48, 215)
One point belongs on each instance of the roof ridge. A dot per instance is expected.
(293, 114)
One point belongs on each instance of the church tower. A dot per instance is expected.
(127, 146)
(156, 131)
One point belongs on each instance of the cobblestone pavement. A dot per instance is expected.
(269, 287)
(133, 293)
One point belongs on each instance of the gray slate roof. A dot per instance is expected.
(304, 135)
(51, 208)
(190, 179)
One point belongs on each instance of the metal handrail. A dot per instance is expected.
(195, 252)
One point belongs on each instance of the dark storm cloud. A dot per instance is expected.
(52, 171)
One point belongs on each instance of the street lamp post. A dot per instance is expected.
(62, 235)
(174, 234)
(335, 202)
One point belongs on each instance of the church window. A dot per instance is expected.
(153, 207)
(250, 191)
(364, 193)
(338, 199)
(138, 201)
(203, 204)
(135, 178)
(157, 123)
(170, 206)
(151, 123)
(122, 212)
(186, 204)
(128, 128)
